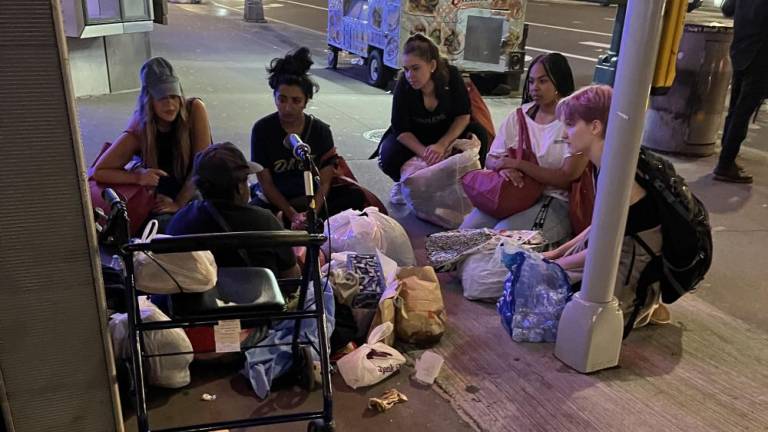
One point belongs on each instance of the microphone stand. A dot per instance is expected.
(309, 191)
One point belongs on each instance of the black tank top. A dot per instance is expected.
(643, 215)
(169, 186)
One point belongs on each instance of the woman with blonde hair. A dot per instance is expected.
(163, 136)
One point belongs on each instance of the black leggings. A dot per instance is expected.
(393, 154)
(749, 87)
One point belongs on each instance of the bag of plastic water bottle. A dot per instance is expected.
(535, 294)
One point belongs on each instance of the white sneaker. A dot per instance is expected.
(396, 194)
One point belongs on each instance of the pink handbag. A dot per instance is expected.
(492, 194)
(139, 200)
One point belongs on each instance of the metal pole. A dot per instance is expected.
(605, 69)
(590, 330)
(254, 11)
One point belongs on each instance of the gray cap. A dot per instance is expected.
(157, 76)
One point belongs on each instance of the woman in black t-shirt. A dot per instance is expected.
(281, 183)
(430, 109)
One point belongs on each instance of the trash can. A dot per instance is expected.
(254, 11)
(687, 119)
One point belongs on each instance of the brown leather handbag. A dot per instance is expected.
(581, 200)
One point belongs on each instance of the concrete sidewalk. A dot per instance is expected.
(222, 60)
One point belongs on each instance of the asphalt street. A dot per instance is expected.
(582, 31)
(578, 29)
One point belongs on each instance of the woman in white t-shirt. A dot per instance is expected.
(549, 80)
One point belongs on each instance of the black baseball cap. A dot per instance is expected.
(222, 166)
(157, 76)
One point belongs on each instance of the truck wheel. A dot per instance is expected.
(378, 73)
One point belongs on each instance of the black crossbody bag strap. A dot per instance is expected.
(225, 226)
(541, 217)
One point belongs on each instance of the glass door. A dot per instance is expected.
(136, 10)
(102, 11)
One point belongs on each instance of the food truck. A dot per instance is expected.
(474, 35)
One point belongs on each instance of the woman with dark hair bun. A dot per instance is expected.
(549, 79)
(281, 183)
(430, 110)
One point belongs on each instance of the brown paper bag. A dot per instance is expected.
(419, 310)
(386, 313)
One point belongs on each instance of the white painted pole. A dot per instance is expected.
(590, 330)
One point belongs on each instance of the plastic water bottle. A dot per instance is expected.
(539, 297)
(118, 264)
(521, 321)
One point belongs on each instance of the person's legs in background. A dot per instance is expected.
(557, 226)
(482, 135)
(392, 156)
(477, 219)
(748, 89)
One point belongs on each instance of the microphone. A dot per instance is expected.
(299, 148)
(111, 197)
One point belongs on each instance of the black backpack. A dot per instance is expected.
(686, 253)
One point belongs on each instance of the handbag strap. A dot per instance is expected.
(150, 231)
(523, 136)
(225, 226)
(165, 270)
(541, 217)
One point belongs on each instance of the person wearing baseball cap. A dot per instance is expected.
(166, 131)
(220, 174)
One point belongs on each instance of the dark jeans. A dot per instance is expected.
(748, 89)
(393, 154)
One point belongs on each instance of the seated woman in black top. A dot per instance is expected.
(430, 110)
(281, 183)
(585, 115)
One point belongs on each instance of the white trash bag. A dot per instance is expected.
(173, 273)
(373, 361)
(367, 231)
(482, 271)
(483, 274)
(165, 371)
(434, 193)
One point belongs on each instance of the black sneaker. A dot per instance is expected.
(732, 174)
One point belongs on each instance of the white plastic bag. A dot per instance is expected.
(367, 231)
(371, 362)
(482, 271)
(165, 371)
(173, 273)
(386, 309)
(434, 193)
(483, 274)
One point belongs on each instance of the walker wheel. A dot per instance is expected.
(320, 426)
